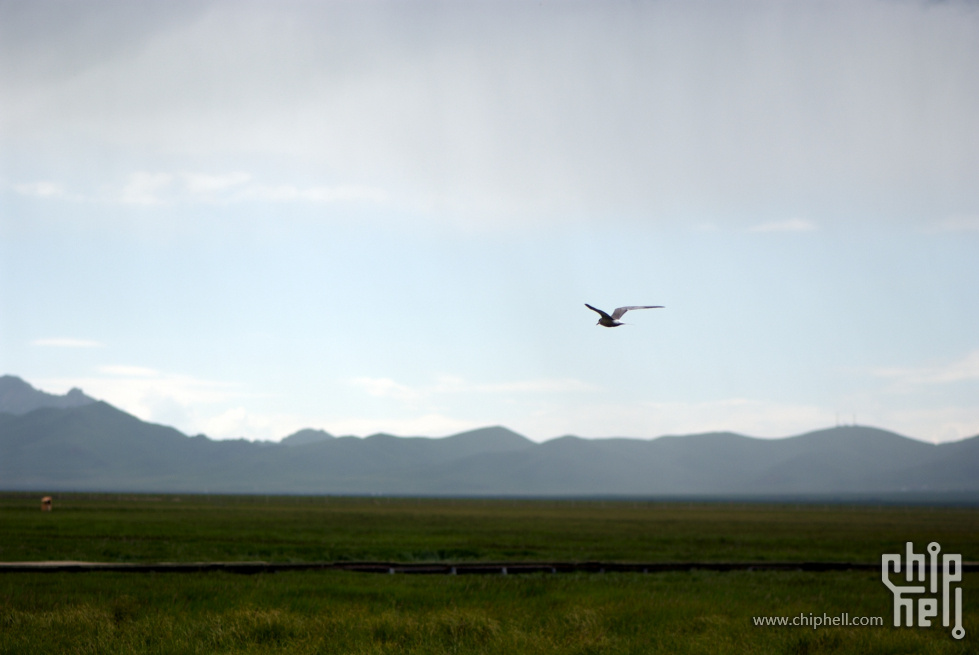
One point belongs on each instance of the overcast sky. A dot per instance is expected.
(246, 218)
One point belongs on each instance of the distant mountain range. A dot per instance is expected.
(73, 442)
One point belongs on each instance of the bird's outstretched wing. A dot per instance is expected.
(619, 311)
(594, 309)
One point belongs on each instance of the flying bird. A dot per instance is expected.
(613, 320)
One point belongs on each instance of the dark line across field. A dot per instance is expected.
(464, 568)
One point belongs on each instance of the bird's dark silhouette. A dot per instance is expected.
(613, 320)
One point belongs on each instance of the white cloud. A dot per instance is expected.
(758, 418)
(148, 189)
(67, 343)
(40, 189)
(446, 384)
(181, 401)
(789, 225)
(424, 425)
(240, 422)
(387, 388)
(960, 370)
(145, 188)
(131, 371)
(939, 424)
(202, 183)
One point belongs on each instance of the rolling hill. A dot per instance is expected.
(59, 443)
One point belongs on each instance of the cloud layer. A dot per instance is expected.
(154, 189)
(492, 110)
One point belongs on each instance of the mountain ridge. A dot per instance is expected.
(19, 397)
(97, 447)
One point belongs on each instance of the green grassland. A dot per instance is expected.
(343, 612)
(302, 529)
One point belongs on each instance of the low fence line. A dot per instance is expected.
(457, 568)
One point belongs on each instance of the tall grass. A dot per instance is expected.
(340, 612)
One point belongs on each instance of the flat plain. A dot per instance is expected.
(343, 612)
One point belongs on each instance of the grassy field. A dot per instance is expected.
(341, 612)
(290, 529)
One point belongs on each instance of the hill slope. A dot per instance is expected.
(18, 397)
(94, 446)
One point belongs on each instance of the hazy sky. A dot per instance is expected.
(246, 218)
